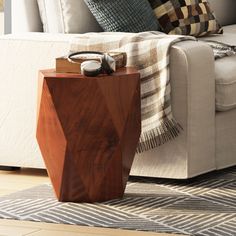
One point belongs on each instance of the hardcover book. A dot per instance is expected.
(63, 65)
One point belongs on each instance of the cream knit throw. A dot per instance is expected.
(149, 52)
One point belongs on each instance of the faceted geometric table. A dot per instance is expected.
(88, 129)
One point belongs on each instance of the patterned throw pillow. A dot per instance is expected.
(186, 17)
(124, 15)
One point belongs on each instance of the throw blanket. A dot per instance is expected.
(221, 49)
(149, 52)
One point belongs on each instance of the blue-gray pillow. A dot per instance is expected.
(123, 15)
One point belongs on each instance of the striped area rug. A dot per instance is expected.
(202, 206)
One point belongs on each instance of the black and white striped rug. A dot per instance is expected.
(202, 206)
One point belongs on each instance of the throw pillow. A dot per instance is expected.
(186, 17)
(124, 15)
(67, 16)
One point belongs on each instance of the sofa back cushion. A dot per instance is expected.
(22, 16)
(225, 11)
(124, 15)
(67, 16)
(194, 18)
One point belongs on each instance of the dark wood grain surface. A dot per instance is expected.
(88, 129)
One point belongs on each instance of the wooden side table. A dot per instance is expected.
(88, 129)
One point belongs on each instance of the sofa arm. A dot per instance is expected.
(193, 105)
(193, 100)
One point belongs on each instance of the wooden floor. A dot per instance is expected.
(12, 181)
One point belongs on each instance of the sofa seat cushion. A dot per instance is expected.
(226, 83)
(231, 29)
(225, 71)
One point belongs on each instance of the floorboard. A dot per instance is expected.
(12, 181)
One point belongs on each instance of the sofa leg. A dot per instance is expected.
(9, 168)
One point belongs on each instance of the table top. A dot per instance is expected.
(51, 73)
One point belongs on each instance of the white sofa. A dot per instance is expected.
(198, 84)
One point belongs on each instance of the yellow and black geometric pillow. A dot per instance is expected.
(186, 17)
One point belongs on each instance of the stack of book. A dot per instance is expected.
(63, 65)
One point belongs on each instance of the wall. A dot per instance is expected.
(1, 23)
(7, 16)
(1, 5)
(1, 17)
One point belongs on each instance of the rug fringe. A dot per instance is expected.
(168, 130)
